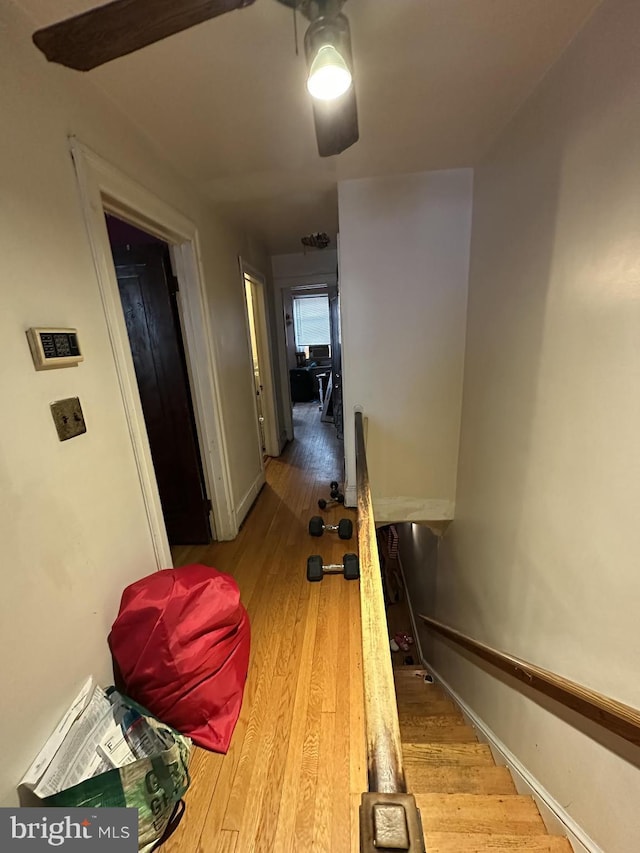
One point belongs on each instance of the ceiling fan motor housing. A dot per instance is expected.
(314, 9)
(333, 30)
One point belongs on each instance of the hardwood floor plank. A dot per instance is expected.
(306, 801)
(235, 782)
(262, 704)
(341, 761)
(263, 798)
(358, 749)
(228, 842)
(265, 827)
(323, 817)
(333, 586)
(295, 751)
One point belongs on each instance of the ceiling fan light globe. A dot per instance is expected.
(329, 76)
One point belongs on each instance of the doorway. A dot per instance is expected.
(336, 360)
(262, 367)
(148, 292)
(312, 348)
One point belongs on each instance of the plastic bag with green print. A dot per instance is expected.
(154, 784)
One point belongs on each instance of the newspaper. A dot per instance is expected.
(114, 748)
(44, 757)
(89, 740)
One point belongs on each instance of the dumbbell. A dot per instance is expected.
(349, 567)
(335, 492)
(344, 527)
(336, 497)
(339, 499)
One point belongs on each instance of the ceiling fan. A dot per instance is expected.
(124, 26)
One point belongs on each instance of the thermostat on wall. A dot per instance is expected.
(54, 348)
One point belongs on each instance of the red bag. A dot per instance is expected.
(181, 643)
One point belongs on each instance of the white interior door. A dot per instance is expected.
(261, 362)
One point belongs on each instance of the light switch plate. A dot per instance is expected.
(68, 418)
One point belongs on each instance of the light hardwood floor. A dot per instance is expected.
(295, 770)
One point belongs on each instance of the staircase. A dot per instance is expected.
(467, 803)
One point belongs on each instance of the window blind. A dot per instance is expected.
(311, 320)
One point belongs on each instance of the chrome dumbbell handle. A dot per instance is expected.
(333, 569)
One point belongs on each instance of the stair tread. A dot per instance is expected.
(505, 814)
(467, 803)
(429, 720)
(406, 687)
(458, 842)
(447, 753)
(459, 733)
(459, 779)
(409, 672)
(426, 708)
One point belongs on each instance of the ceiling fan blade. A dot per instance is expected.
(336, 123)
(123, 26)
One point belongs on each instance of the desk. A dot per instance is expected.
(302, 385)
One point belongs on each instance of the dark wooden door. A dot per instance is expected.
(148, 293)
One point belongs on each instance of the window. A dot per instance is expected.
(311, 320)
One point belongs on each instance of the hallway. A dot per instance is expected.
(296, 768)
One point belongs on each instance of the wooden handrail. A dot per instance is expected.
(384, 749)
(621, 719)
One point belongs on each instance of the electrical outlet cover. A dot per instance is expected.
(68, 418)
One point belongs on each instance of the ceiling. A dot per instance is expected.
(225, 102)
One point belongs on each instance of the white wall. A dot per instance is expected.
(543, 557)
(72, 520)
(404, 255)
(316, 265)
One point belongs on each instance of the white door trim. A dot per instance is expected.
(283, 286)
(102, 188)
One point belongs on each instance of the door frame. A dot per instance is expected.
(105, 189)
(283, 285)
(263, 343)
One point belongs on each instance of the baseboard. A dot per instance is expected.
(247, 501)
(555, 818)
(350, 495)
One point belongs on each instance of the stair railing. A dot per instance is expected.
(616, 717)
(389, 817)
